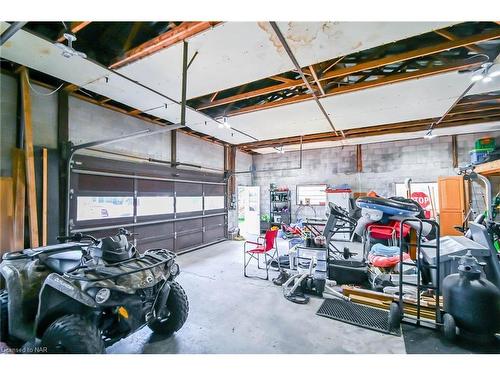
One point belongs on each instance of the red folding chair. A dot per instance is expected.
(264, 245)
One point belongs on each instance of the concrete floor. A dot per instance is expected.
(233, 314)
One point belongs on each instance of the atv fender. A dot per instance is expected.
(161, 301)
(59, 297)
(14, 285)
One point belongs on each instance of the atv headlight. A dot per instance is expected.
(102, 295)
(174, 269)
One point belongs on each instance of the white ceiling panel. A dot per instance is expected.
(404, 101)
(314, 42)
(235, 53)
(285, 121)
(37, 53)
(411, 100)
(127, 92)
(230, 54)
(465, 129)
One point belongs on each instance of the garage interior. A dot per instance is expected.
(325, 187)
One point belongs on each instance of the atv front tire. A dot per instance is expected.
(72, 334)
(178, 306)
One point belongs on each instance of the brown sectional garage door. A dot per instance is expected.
(166, 207)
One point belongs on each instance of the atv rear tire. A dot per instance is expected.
(72, 334)
(178, 305)
(4, 316)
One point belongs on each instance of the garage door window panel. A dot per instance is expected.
(188, 199)
(104, 207)
(214, 198)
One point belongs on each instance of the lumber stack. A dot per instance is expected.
(383, 301)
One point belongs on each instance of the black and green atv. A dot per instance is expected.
(83, 295)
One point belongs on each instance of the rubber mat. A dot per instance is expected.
(358, 315)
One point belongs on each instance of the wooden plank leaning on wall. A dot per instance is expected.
(29, 157)
(19, 184)
(45, 195)
(6, 214)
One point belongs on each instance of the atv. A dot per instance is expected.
(84, 294)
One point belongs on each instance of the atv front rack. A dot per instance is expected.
(151, 253)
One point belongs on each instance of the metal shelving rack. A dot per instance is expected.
(280, 206)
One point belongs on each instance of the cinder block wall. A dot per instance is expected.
(384, 165)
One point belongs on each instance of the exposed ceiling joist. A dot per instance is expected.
(400, 57)
(74, 28)
(360, 86)
(316, 80)
(403, 127)
(469, 113)
(281, 79)
(477, 99)
(175, 35)
(448, 35)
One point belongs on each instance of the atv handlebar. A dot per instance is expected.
(81, 236)
(78, 237)
(126, 232)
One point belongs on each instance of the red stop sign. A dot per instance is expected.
(422, 199)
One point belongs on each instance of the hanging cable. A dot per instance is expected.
(45, 94)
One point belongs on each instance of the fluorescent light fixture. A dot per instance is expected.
(477, 77)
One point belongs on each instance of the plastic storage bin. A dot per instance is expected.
(295, 241)
(451, 247)
(478, 156)
(302, 254)
(485, 143)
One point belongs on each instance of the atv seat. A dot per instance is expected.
(61, 262)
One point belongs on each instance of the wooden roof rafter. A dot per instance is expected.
(399, 77)
(74, 28)
(177, 34)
